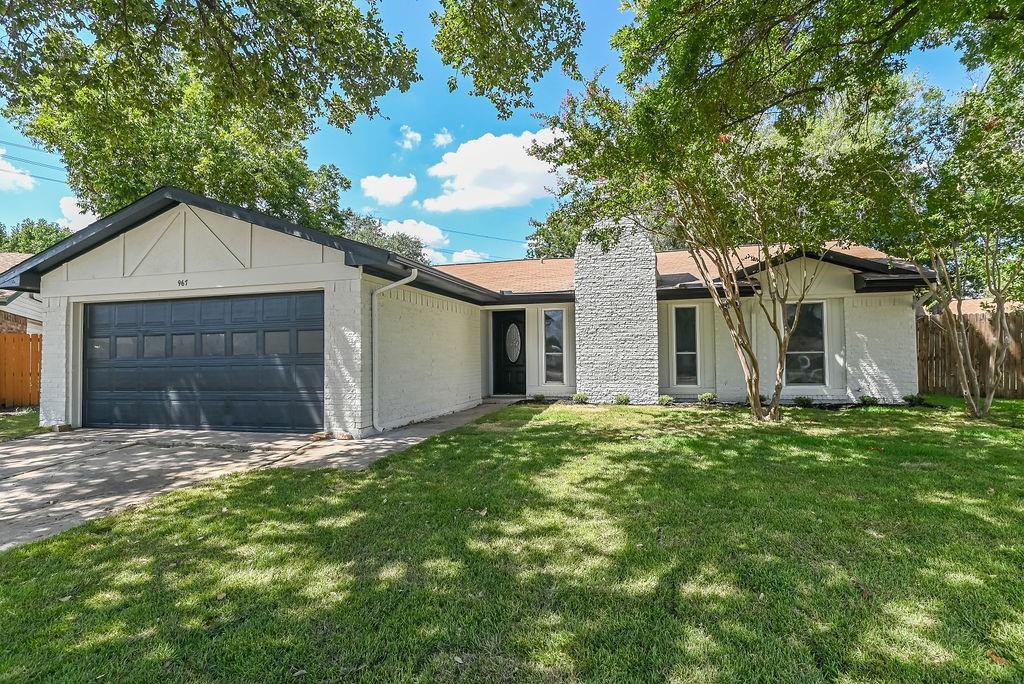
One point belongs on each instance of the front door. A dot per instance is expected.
(509, 351)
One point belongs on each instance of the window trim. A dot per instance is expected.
(543, 345)
(672, 344)
(824, 343)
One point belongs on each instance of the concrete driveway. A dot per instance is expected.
(53, 482)
(49, 483)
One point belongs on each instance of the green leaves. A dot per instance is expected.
(31, 236)
(505, 45)
(296, 58)
(726, 63)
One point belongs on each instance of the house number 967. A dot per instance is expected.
(183, 283)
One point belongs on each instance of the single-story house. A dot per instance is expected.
(20, 312)
(182, 311)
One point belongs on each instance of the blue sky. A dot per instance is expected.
(441, 164)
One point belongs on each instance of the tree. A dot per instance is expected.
(297, 59)
(116, 153)
(947, 190)
(505, 45)
(731, 62)
(370, 230)
(31, 236)
(749, 205)
(218, 97)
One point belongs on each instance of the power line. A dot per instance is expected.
(32, 175)
(456, 251)
(32, 161)
(23, 146)
(486, 237)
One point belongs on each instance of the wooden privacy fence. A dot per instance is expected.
(936, 358)
(20, 357)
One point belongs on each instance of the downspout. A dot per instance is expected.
(375, 346)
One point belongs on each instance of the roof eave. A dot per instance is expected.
(866, 283)
(831, 257)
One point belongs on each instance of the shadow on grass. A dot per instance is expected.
(561, 544)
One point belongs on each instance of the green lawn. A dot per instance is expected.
(19, 423)
(561, 543)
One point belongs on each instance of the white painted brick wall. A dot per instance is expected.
(881, 341)
(617, 320)
(343, 335)
(430, 355)
(53, 384)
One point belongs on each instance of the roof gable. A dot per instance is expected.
(26, 275)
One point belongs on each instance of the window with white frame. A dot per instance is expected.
(805, 358)
(686, 345)
(554, 346)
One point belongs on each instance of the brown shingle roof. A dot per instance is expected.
(10, 260)
(556, 275)
(523, 275)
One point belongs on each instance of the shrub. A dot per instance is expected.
(665, 400)
(538, 397)
(868, 400)
(803, 402)
(579, 398)
(707, 397)
(622, 399)
(915, 400)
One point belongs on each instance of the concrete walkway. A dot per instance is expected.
(52, 482)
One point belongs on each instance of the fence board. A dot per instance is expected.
(936, 357)
(20, 358)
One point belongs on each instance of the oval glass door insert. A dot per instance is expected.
(513, 343)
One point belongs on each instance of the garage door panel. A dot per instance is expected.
(308, 307)
(310, 376)
(252, 362)
(213, 310)
(126, 380)
(243, 310)
(244, 378)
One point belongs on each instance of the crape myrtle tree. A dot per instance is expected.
(748, 204)
(716, 124)
(947, 190)
(218, 96)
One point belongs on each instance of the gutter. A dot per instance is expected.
(374, 344)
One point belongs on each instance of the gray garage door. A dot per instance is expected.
(232, 363)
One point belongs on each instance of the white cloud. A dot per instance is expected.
(491, 171)
(465, 256)
(410, 138)
(75, 217)
(435, 257)
(12, 178)
(387, 189)
(443, 138)
(428, 234)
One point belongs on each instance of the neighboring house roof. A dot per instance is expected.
(501, 282)
(9, 260)
(973, 306)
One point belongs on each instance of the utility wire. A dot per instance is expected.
(22, 146)
(60, 168)
(487, 237)
(32, 161)
(32, 175)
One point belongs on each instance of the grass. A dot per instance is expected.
(562, 543)
(19, 423)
